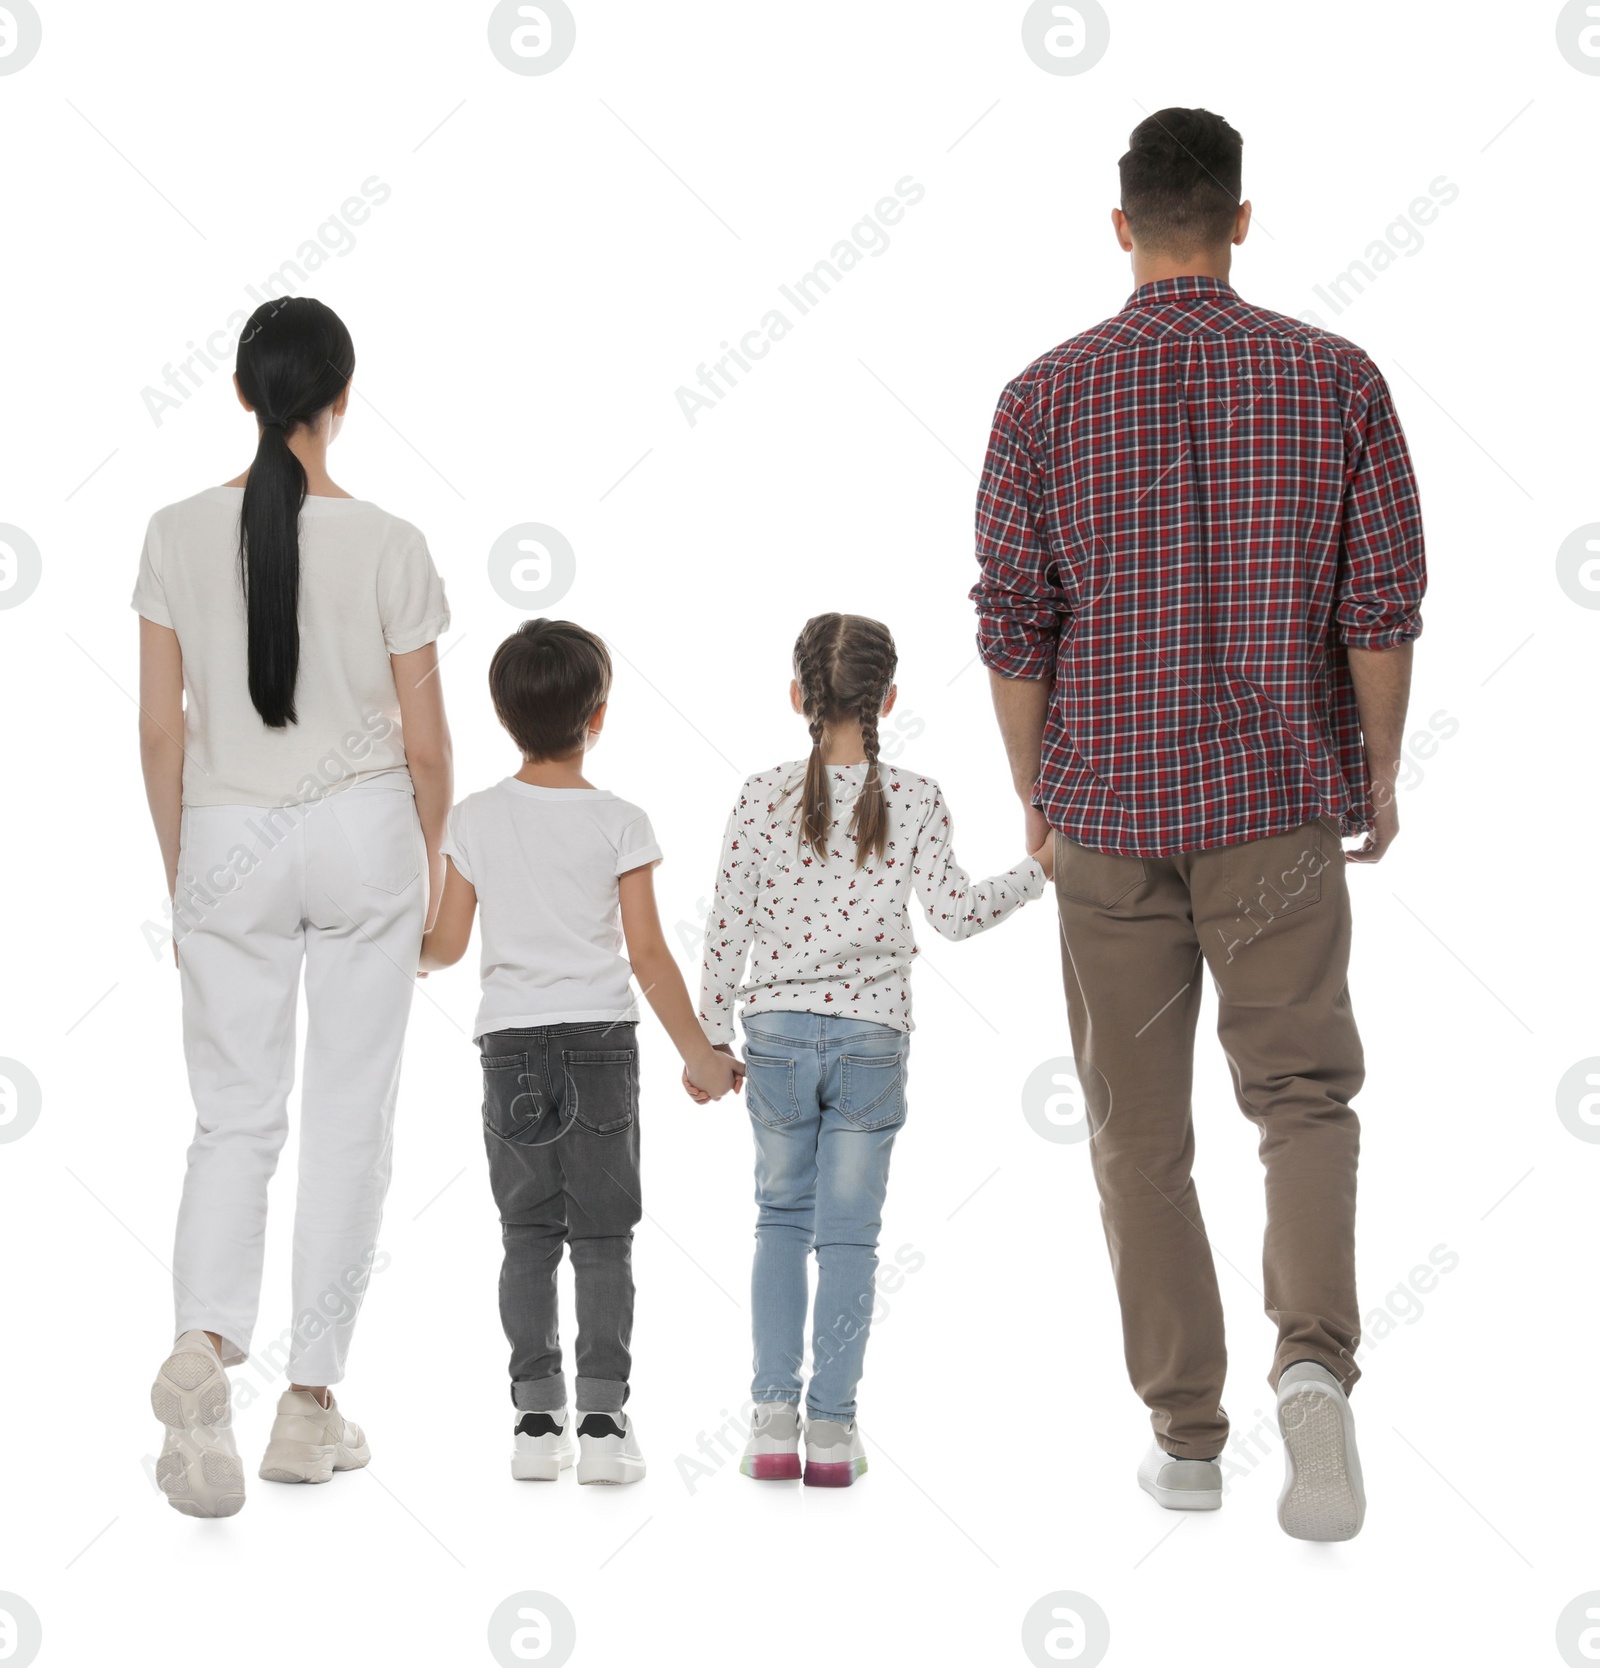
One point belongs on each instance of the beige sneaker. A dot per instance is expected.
(309, 1442)
(199, 1469)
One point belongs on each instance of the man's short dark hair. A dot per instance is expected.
(1180, 181)
(547, 680)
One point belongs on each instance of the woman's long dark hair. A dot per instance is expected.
(295, 357)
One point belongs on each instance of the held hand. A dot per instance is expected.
(698, 1096)
(1045, 857)
(713, 1075)
(1385, 827)
(1035, 829)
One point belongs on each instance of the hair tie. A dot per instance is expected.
(275, 423)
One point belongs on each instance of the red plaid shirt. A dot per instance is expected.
(1187, 514)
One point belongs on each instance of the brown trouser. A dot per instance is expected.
(1271, 919)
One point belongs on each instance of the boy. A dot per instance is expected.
(562, 871)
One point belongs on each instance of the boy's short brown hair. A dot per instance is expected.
(547, 680)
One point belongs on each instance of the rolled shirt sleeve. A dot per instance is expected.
(636, 846)
(1019, 605)
(1382, 572)
(454, 843)
(411, 601)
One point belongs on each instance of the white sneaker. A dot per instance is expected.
(1322, 1498)
(608, 1451)
(1181, 1485)
(835, 1454)
(199, 1469)
(542, 1447)
(773, 1452)
(309, 1442)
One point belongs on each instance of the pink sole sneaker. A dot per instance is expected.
(833, 1473)
(771, 1468)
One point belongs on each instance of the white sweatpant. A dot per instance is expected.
(340, 885)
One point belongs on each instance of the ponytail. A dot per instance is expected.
(269, 555)
(295, 359)
(845, 666)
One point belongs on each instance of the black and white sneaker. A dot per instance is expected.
(542, 1447)
(608, 1451)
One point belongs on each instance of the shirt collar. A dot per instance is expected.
(1163, 290)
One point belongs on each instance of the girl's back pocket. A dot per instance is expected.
(769, 1088)
(872, 1093)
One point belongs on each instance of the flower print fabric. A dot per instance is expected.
(822, 936)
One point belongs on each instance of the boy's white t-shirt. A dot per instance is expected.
(368, 589)
(545, 864)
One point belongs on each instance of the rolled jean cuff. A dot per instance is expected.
(540, 1395)
(601, 1395)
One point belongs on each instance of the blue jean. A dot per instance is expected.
(827, 1096)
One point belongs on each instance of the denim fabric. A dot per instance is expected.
(561, 1124)
(827, 1097)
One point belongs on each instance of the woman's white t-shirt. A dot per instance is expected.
(368, 589)
(545, 864)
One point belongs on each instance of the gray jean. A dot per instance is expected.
(561, 1124)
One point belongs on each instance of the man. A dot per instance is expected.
(1201, 570)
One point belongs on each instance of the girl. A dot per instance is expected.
(297, 765)
(818, 864)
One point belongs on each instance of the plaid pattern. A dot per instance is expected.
(1187, 514)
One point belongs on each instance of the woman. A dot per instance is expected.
(297, 765)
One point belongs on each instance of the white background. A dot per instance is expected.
(552, 263)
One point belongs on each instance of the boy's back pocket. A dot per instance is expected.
(514, 1106)
(602, 1087)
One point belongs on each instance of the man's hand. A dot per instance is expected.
(1022, 706)
(1385, 825)
(711, 1076)
(1382, 680)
